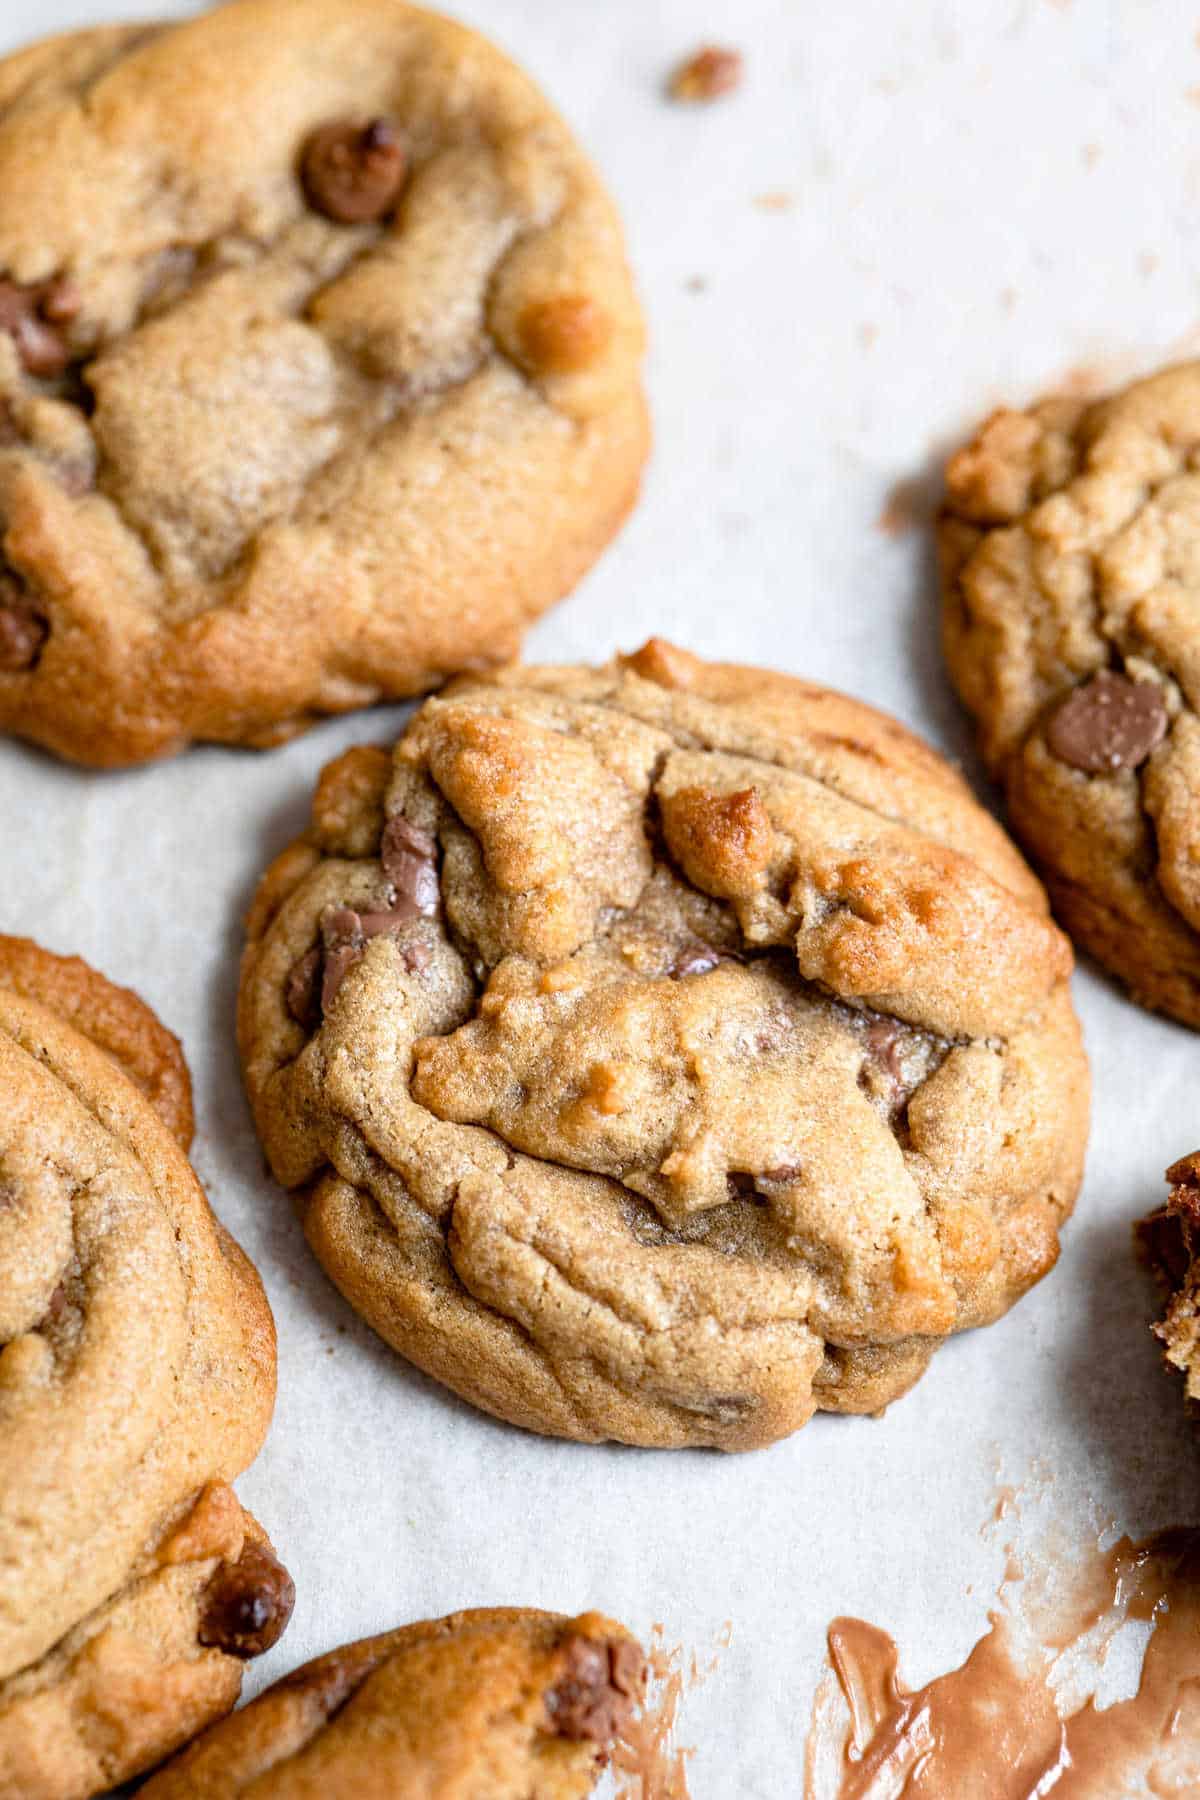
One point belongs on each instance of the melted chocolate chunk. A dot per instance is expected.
(247, 1604)
(338, 964)
(409, 857)
(302, 989)
(595, 1695)
(1108, 724)
(36, 318)
(23, 630)
(353, 174)
(783, 1173)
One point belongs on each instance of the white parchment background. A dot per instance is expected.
(971, 199)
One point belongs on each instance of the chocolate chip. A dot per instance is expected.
(409, 857)
(247, 1604)
(353, 174)
(23, 630)
(595, 1695)
(302, 989)
(418, 957)
(883, 1039)
(34, 318)
(694, 959)
(1108, 724)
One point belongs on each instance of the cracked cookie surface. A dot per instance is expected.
(664, 1051)
(1070, 546)
(137, 1377)
(319, 371)
(507, 1702)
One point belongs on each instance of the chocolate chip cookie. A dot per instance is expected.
(137, 1376)
(661, 1052)
(319, 371)
(1170, 1242)
(1070, 548)
(511, 1704)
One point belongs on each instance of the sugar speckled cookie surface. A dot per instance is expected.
(137, 1376)
(318, 371)
(507, 1703)
(1071, 555)
(664, 1051)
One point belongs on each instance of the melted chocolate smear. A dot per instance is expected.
(247, 1604)
(990, 1730)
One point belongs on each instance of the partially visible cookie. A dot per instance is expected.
(1170, 1242)
(503, 1703)
(319, 371)
(137, 1377)
(664, 1051)
(1070, 546)
(114, 1018)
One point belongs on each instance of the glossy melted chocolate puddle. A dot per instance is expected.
(992, 1729)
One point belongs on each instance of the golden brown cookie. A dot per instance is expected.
(664, 1051)
(1070, 547)
(503, 1703)
(137, 1377)
(319, 371)
(1170, 1242)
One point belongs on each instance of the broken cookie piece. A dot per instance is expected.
(496, 1701)
(1169, 1241)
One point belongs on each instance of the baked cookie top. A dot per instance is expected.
(318, 370)
(1071, 555)
(664, 1050)
(515, 1704)
(137, 1376)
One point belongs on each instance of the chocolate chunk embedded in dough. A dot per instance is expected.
(23, 631)
(409, 857)
(353, 173)
(34, 317)
(1108, 724)
(247, 1604)
(595, 1696)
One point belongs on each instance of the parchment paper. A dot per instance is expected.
(908, 214)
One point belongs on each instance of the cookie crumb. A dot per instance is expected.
(906, 507)
(777, 200)
(710, 73)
